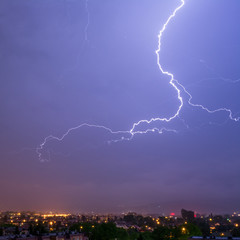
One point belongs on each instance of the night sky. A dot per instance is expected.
(68, 62)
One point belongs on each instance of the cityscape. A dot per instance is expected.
(50, 226)
(119, 119)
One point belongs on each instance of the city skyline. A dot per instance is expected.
(117, 65)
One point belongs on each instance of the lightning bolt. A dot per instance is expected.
(218, 76)
(88, 20)
(85, 40)
(230, 114)
(129, 134)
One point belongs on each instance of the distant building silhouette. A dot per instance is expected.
(187, 215)
(216, 238)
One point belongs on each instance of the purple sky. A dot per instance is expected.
(64, 63)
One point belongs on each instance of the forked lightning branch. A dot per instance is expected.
(125, 135)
